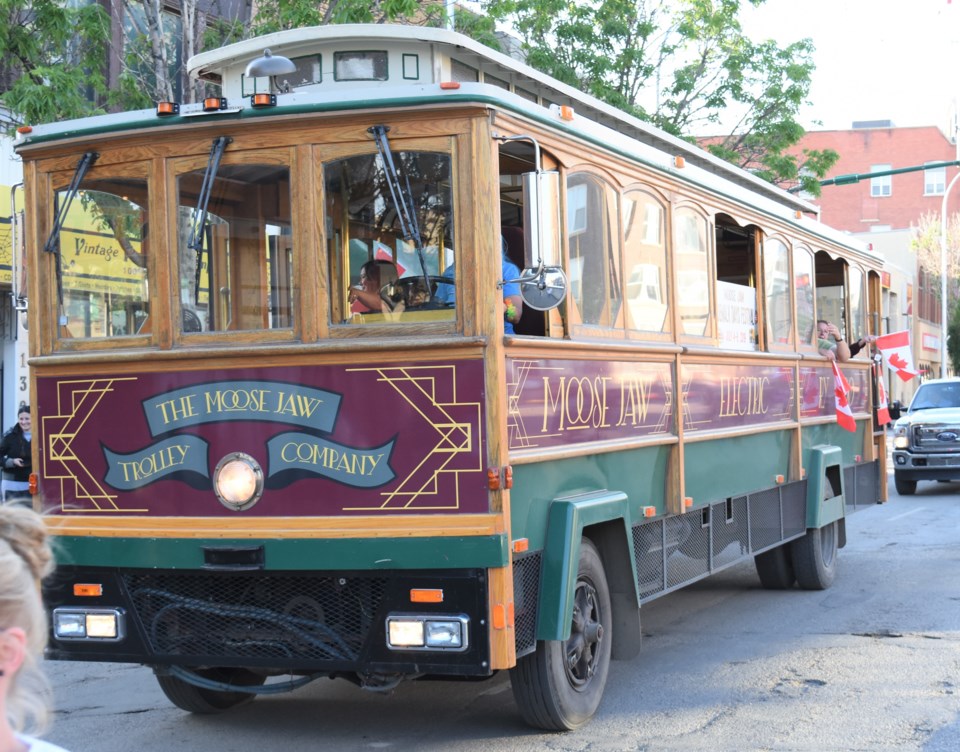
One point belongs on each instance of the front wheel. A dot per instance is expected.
(559, 687)
(815, 557)
(904, 487)
(205, 701)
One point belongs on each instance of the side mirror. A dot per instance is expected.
(895, 408)
(543, 284)
(543, 289)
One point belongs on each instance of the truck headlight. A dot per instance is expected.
(427, 632)
(93, 624)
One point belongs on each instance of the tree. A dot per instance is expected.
(953, 339)
(683, 65)
(51, 60)
(925, 243)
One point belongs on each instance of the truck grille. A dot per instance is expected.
(937, 438)
(280, 618)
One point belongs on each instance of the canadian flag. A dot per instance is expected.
(841, 392)
(897, 354)
(883, 409)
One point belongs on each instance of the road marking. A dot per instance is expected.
(906, 514)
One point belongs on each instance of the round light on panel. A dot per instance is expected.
(238, 481)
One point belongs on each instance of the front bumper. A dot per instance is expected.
(296, 622)
(909, 465)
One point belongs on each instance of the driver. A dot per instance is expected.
(373, 275)
(512, 302)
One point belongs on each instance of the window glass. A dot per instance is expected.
(858, 320)
(237, 273)
(378, 274)
(693, 271)
(882, 185)
(645, 259)
(934, 181)
(103, 258)
(594, 256)
(776, 276)
(803, 288)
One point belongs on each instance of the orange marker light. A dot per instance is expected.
(88, 590)
(32, 483)
(520, 545)
(212, 104)
(688, 501)
(778, 478)
(649, 511)
(493, 478)
(449, 85)
(679, 161)
(25, 129)
(499, 617)
(263, 100)
(508, 477)
(165, 109)
(426, 595)
(566, 112)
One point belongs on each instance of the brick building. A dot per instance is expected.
(882, 211)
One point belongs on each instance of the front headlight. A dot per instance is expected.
(900, 438)
(238, 481)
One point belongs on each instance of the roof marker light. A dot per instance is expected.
(166, 109)
(212, 104)
(566, 112)
(25, 129)
(449, 85)
(263, 100)
(679, 161)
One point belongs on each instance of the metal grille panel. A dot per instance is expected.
(766, 519)
(648, 552)
(526, 591)
(688, 544)
(862, 485)
(263, 617)
(793, 502)
(730, 539)
(674, 551)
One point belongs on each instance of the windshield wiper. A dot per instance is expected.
(195, 242)
(53, 242)
(402, 199)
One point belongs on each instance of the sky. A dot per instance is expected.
(893, 60)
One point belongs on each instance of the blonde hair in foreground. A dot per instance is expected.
(25, 558)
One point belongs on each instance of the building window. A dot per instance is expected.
(934, 181)
(880, 186)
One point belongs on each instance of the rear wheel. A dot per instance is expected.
(559, 687)
(815, 557)
(205, 701)
(775, 568)
(904, 487)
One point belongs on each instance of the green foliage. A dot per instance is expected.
(684, 65)
(53, 53)
(953, 338)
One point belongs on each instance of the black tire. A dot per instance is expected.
(203, 701)
(904, 487)
(775, 568)
(815, 557)
(559, 687)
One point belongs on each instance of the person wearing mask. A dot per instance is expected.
(16, 459)
(25, 558)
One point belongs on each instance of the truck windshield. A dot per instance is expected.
(936, 395)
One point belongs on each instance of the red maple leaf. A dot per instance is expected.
(897, 362)
(841, 397)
